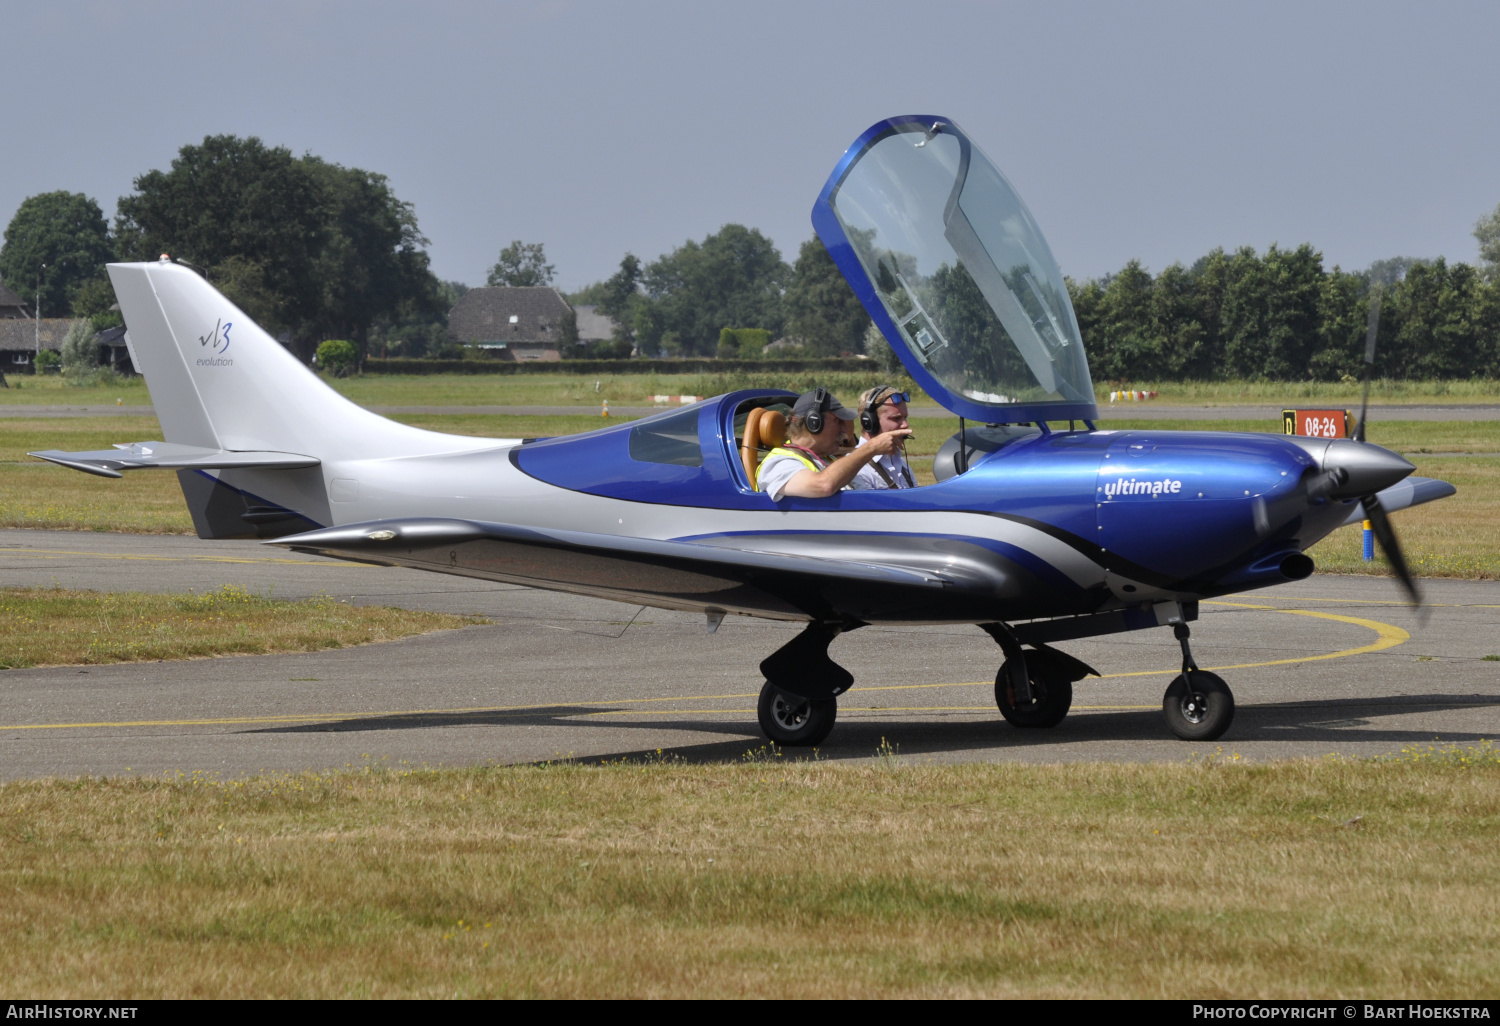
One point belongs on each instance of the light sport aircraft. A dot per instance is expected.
(1036, 534)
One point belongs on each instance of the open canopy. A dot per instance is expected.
(955, 273)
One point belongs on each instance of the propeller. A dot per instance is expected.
(1380, 521)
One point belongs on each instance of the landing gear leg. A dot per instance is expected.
(1034, 688)
(799, 701)
(1198, 705)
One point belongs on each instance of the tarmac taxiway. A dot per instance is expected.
(1333, 664)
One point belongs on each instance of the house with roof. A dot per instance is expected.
(20, 341)
(521, 323)
(12, 306)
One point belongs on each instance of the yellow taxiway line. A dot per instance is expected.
(53, 553)
(1387, 636)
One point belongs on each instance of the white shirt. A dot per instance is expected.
(778, 469)
(869, 477)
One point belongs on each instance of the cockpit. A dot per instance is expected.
(954, 272)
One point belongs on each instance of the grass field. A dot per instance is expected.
(56, 626)
(638, 388)
(769, 878)
(1458, 537)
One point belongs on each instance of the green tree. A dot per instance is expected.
(1487, 360)
(1487, 232)
(1389, 270)
(338, 356)
(522, 264)
(95, 299)
(305, 247)
(1129, 346)
(373, 261)
(79, 350)
(251, 216)
(821, 309)
(742, 343)
(1343, 308)
(1432, 323)
(1270, 313)
(416, 329)
(61, 238)
(621, 288)
(733, 277)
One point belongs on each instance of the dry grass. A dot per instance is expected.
(637, 387)
(1210, 879)
(1409, 437)
(55, 390)
(56, 626)
(44, 497)
(1309, 394)
(1457, 537)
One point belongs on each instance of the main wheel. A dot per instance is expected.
(1051, 694)
(794, 721)
(1202, 711)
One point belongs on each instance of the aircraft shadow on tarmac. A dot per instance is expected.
(1342, 721)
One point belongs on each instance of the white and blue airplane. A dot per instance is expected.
(1036, 533)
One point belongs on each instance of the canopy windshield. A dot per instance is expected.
(956, 274)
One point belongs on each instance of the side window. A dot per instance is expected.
(671, 439)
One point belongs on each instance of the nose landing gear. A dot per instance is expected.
(1198, 705)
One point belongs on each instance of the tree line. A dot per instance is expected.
(1283, 316)
(313, 251)
(1280, 315)
(308, 248)
(727, 296)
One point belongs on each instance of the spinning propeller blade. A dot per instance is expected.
(1372, 328)
(1380, 521)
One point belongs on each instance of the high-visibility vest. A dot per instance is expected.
(793, 453)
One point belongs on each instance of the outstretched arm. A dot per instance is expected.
(819, 484)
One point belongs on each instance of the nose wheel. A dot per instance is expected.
(792, 720)
(1198, 705)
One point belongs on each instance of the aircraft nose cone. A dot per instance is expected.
(1370, 468)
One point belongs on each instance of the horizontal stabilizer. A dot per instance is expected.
(1411, 492)
(168, 456)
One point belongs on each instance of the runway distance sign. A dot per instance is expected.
(1316, 423)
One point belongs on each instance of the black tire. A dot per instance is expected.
(793, 721)
(1202, 713)
(1051, 694)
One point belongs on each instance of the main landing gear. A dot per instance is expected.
(799, 701)
(1198, 705)
(1034, 688)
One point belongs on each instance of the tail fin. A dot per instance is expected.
(219, 381)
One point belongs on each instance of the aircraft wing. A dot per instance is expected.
(168, 456)
(668, 574)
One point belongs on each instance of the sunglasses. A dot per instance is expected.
(895, 398)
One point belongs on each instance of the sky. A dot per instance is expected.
(1146, 130)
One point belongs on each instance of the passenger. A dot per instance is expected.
(802, 466)
(881, 411)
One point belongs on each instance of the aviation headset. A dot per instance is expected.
(869, 420)
(814, 420)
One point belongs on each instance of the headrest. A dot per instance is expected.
(772, 428)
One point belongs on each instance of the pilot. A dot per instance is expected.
(881, 411)
(804, 466)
